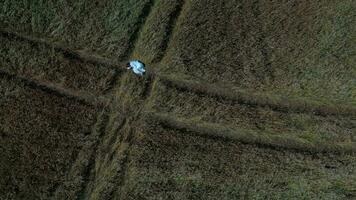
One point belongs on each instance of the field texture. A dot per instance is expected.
(241, 100)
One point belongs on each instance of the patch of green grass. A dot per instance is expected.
(299, 50)
(104, 27)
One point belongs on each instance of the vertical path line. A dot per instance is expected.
(139, 26)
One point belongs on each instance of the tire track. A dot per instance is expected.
(173, 19)
(147, 87)
(139, 25)
(68, 52)
(123, 177)
(99, 130)
(242, 97)
(126, 145)
(112, 82)
(217, 131)
(84, 164)
(127, 142)
(82, 97)
(259, 100)
(212, 109)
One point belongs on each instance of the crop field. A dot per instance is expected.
(287, 48)
(41, 134)
(241, 99)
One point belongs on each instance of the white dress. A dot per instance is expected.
(137, 67)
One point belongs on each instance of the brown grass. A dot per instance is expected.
(294, 49)
(270, 65)
(249, 136)
(256, 99)
(68, 51)
(179, 164)
(227, 92)
(53, 89)
(43, 135)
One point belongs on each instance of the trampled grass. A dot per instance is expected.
(157, 31)
(259, 118)
(266, 139)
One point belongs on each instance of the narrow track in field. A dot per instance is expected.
(140, 24)
(204, 129)
(218, 131)
(197, 87)
(242, 97)
(56, 90)
(173, 19)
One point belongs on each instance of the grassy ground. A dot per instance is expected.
(157, 31)
(169, 164)
(264, 120)
(46, 64)
(41, 135)
(287, 48)
(106, 27)
(56, 146)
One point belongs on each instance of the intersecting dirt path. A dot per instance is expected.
(139, 109)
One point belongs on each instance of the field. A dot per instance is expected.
(241, 100)
(282, 47)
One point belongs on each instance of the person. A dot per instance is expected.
(137, 67)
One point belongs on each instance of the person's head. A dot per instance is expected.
(128, 64)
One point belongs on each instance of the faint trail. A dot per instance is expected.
(261, 100)
(67, 51)
(173, 18)
(239, 96)
(139, 26)
(112, 82)
(82, 97)
(218, 131)
(127, 141)
(79, 173)
(147, 90)
(99, 131)
(122, 179)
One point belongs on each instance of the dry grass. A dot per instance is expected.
(177, 164)
(168, 98)
(44, 63)
(277, 75)
(300, 49)
(156, 34)
(277, 141)
(42, 136)
(104, 27)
